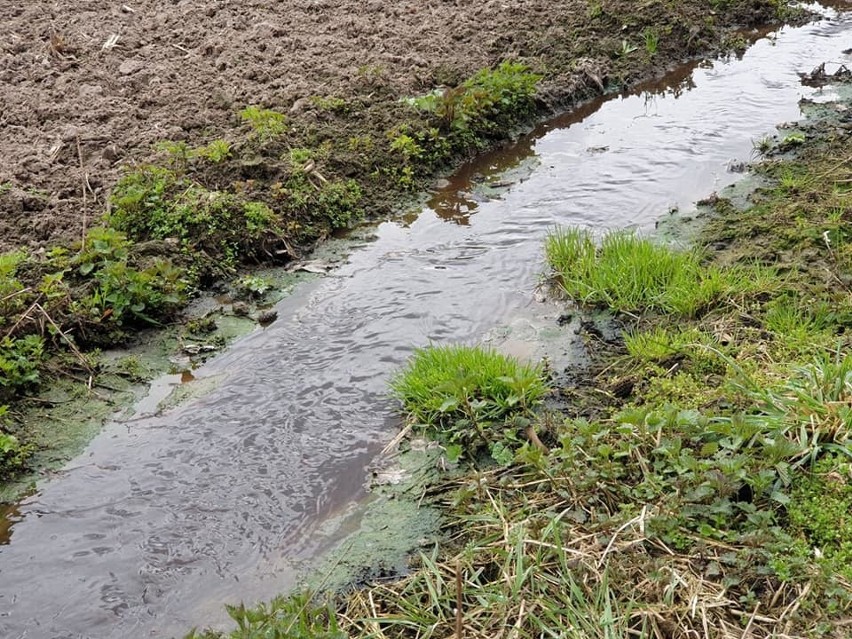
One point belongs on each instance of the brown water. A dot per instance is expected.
(165, 518)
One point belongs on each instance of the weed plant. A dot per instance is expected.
(216, 151)
(19, 364)
(13, 454)
(121, 291)
(485, 106)
(820, 511)
(626, 49)
(61, 301)
(266, 124)
(295, 617)
(11, 299)
(652, 41)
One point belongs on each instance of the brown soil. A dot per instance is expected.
(89, 85)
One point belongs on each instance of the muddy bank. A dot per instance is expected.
(88, 87)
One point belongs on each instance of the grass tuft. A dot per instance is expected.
(467, 394)
(629, 273)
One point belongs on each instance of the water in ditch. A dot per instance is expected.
(164, 518)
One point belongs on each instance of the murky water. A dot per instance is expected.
(163, 519)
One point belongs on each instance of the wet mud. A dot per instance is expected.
(226, 496)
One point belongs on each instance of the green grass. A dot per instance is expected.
(820, 510)
(216, 227)
(652, 41)
(661, 344)
(485, 106)
(468, 395)
(632, 274)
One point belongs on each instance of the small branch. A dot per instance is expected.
(15, 294)
(532, 436)
(747, 630)
(23, 317)
(458, 600)
(639, 519)
(68, 341)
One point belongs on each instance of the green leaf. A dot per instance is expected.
(780, 497)
(449, 404)
(502, 454)
(454, 452)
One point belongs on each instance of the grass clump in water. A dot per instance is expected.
(468, 395)
(629, 273)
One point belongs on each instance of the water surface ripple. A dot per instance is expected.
(162, 519)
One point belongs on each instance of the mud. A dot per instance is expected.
(89, 86)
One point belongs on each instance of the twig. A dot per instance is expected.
(15, 294)
(458, 600)
(396, 440)
(52, 402)
(747, 630)
(639, 519)
(533, 437)
(520, 621)
(70, 343)
(833, 168)
(794, 606)
(23, 316)
(110, 43)
(375, 613)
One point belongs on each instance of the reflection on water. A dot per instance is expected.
(164, 518)
(460, 198)
(9, 516)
